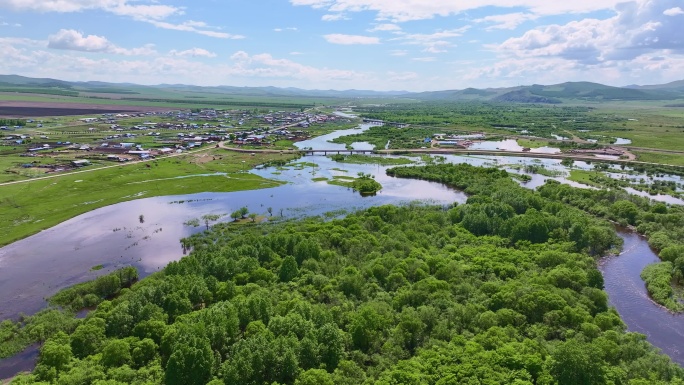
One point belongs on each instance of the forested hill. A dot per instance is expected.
(502, 290)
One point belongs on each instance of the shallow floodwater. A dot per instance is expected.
(114, 236)
(511, 145)
(657, 197)
(627, 293)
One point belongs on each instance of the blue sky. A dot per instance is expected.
(414, 45)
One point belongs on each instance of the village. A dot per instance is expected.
(76, 142)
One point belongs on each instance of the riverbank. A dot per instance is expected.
(29, 207)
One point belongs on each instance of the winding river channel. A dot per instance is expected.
(37, 267)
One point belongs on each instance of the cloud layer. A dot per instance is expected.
(640, 27)
(69, 39)
(407, 10)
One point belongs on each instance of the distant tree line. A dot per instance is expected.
(12, 122)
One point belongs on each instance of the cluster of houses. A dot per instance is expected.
(456, 141)
(197, 128)
(15, 139)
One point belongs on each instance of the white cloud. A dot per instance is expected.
(399, 52)
(337, 38)
(433, 42)
(658, 68)
(640, 42)
(73, 40)
(28, 58)
(193, 52)
(637, 29)
(507, 21)
(69, 39)
(295, 53)
(152, 13)
(265, 65)
(285, 29)
(191, 26)
(407, 10)
(385, 28)
(438, 47)
(334, 17)
(673, 11)
(425, 59)
(118, 7)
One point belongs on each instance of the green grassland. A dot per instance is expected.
(162, 102)
(659, 157)
(29, 207)
(531, 143)
(585, 177)
(649, 127)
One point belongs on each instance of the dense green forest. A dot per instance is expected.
(663, 225)
(503, 289)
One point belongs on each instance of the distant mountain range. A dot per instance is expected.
(549, 94)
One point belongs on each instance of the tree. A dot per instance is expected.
(314, 377)
(253, 217)
(236, 215)
(409, 331)
(88, 338)
(116, 353)
(332, 346)
(143, 352)
(244, 211)
(577, 363)
(601, 239)
(191, 363)
(306, 249)
(270, 211)
(625, 210)
(348, 373)
(56, 353)
(288, 269)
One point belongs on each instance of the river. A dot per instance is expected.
(37, 267)
(627, 293)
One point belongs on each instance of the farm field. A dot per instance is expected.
(20, 109)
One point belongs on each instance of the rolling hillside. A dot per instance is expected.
(539, 94)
